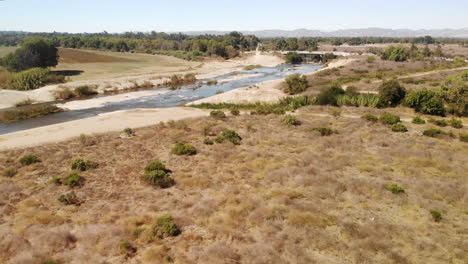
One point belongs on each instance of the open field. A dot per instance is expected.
(284, 195)
(4, 50)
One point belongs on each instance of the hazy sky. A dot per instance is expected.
(186, 15)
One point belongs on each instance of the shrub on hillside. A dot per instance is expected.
(235, 112)
(82, 164)
(230, 135)
(72, 179)
(463, 137)
(157, 174)
(184, 149)
(394, 188)
(395, 54)
(433, 132)
(69, 199)
(31, 79)
(436, 215)
(425, 101)
(296, 83)
(438, 122)
(399, 127)
(29, 159)
(418, 120)
(329, 96)
(391, 93)
(10, 172)
(389, 119)
(208, 141)
(290, 120)
(293, 58)
(217, 114)
(456, 123)
(165, 226)
(370, 117)
(84, 90)
(129, 132)
(324, 131)
(29, 112)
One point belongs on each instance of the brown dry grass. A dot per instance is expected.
(84, 56)
(285, 195)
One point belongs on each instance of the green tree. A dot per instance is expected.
(293, 58)
(391, 93)
(296, 84)
(34, 52)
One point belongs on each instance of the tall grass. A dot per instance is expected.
(28, 112)
(360, 100)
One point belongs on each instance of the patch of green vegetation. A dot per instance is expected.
(212, 82)
(389, 119)
(69, 199)
(463, 137)
(56, 180)
(399, 127)
(72, 179)
(165, 226)
(82, 164)
(438, 122)
(10, 172)
(434, 132)
(208, 141)
(184, 149)
(219, 92)
(330, 95)
(235, 112)
(251, 67)
(437, 216)
(370, 117)
(84, 90)
(394, 188)
(218, 114)
(290, 120)
(29, 112)
(456, 123)
(157, 174)
(425, 101)
(129, 132)
(418, 120)
(49, 262)
(229, 135)
(29, 159)
(391, 93)
(358, 100)
(324, 131)
(296, 84)
(293, 58)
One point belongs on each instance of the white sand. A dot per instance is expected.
(115, 121)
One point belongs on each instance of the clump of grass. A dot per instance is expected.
(56, 180)
(438, 122)
(217, 114)
(127, 247)
(82, 164)
(324, 131)
(219, 92)
(165, 226)
(84, 90)
(208, 141)
(10, 172)
(399, 127)
(370, 117)
(184, 149)
(389, 119)
(358, 100)
(418, 120)
(29, 159)
(251, 67)
(64, 93)
(394, 188)
(463, 137)
(229, 135)
(434, 132)
(290, 120)
(72, 179)
(157, 174)
(436, 215)
(24, 102)
(456, 123)
(235, 112)
(212, 82)
(69, 199)
(129, 132)
(28, 112)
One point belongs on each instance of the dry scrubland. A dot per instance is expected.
(284, 195)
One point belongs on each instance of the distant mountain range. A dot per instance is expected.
(361, 32)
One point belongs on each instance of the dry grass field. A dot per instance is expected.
(284, 195)
(6, 50)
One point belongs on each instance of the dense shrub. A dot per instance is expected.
(31, 79)
(165, 226)
(456, 123)
(433, 132)
(389, 119)
(157, 174)
(370, 117)
(217, 114)
(69, 199)
(425, 101)
(290, 120)
(399, 127)
(84, 90)
(72, 179)
(358, 100)
(34, 52)
(235, 112)
(208, 141)
(184, 149)
(463, 137)
(436, 215)
(293, 58)
(29, 159)
(329, 96)
(324, 131)
(438, 122)
(10, 172)
(391, 93)
(395, 54)
(230, 135)
(454, 93)
(296, 83)
(83, 164)
(418, 120)
(394, 188)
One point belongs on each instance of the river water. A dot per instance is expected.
(163, 97)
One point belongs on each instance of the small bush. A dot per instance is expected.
(324, 131)
(56, 180)
(10, 172)
(436, 215)
(399, 127)
(165, 226)
(129, 132)
(64, 94)
(370, 59)
(456, 123)
(31, 79)
(208, 141)
(296, 83)
(157, 174)
(212, 82)
(72, 179)
(235, 112)
(389, 119)
(293, 58)
(219, 92)
(290, 120)
(231, 136)
(29, 112)
(83, 164)
(219, 139)
(330, 96)
(68, 199)
(438, 122)
(217, 114)
(370, 117)
(463, 137)
(84, 90)
(391, 93)
(418, 120)
(184, 149)
(433, 132)
(394, 188)
(29, 159)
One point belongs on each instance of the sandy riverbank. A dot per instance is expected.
(206, 70)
